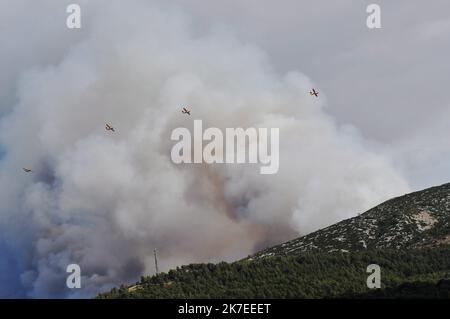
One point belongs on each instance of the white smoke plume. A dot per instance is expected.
(105, 200)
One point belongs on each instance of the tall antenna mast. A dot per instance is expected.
(156, 261)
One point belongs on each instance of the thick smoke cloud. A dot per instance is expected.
(105, 201)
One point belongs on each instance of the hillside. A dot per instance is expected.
(419, 219)
(309, 275)
(407, 236)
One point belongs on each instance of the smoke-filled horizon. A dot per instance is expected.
(105, 200)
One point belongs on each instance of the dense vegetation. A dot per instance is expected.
(404, 273)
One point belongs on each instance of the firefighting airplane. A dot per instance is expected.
(314, 92)
(186, 111)
(109, 127)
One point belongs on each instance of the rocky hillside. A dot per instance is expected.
(419, 219)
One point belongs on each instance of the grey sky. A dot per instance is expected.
(390, 83)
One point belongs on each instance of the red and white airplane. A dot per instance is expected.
(314, 92)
